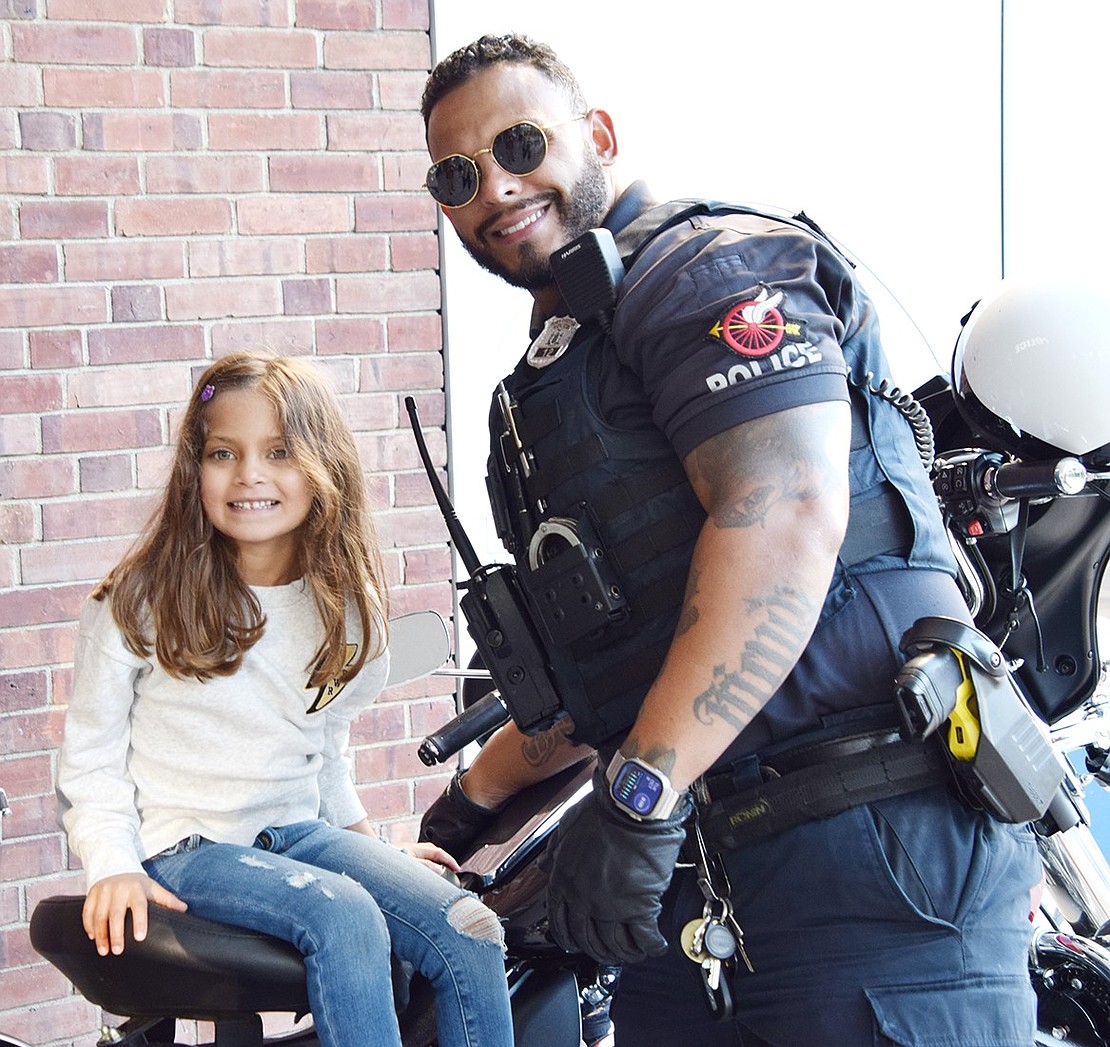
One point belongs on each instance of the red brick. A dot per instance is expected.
(348, 254)
(32, 732)
(188, 132)
(209, 299)
(401, 90)
(349, 336)
(85, 88)
(96, 518)
(405, 14)
(19, 85)
(26, 175)
(387, 293)
(260, 216)
(367, 412)
(272, 49)
(232, 12)
(403, 372)
(50, 306)
(383, 763)
(136, 302)
(169, 47)
(54, 43)
(68, 1020)
(40, 605)
(204, 174)
(316, 173)
(377, 51)
(134, 344)
(404, 172)
(63, 219)
(418, 251)
(288, 337)
(427, 565)
(30, 393)
(335, 14)
(110, 10)
(90, 430)
(25, 775)
(129, 387)
(105, 472)
(172, 216)
(63, 562)
(25, 985)
(17, 524)
(28, 263)
(119, 260)
(152, 468)
(129, 132)
(36, 478)
(55, 348)
(241, 131)
(11, 351)
(96, 176)
(413, 489)
(304, 298)
(332, 90)
(19, 434)
(414, 333)
(375, 132)
(211, 89)
(385, 213)
(240, 256)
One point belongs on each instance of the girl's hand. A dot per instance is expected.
(435, 858)
(108, 901)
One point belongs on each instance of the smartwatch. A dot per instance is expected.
(641, 791)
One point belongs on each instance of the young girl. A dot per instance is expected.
(218, 668)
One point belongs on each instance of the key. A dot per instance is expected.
(692, 940)
(711, 972)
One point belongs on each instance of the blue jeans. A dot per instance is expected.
(345, 900)
(901, 923)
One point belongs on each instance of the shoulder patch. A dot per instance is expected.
(756, 327)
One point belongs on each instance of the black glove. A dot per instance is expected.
(606, 876)
(455, 821)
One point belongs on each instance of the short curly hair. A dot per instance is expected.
(487, 51)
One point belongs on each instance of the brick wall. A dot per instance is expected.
(179, 178)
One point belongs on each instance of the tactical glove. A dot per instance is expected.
(606, 876)
(454, 821)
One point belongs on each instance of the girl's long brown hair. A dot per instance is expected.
(179, 593)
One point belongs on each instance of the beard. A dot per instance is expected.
(578, 211)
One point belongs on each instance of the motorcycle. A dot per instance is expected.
(1031, 534)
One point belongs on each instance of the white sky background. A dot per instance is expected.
(881, 119)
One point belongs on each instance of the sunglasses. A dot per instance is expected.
(518, 150)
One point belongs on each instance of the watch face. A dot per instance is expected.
(636, 788)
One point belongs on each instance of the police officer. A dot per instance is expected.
(757, 532)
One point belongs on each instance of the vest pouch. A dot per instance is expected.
(572, 588)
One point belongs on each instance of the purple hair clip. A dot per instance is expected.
(207, 393)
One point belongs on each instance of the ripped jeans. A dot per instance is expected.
(345, 900)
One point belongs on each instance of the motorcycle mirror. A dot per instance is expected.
(418, 643)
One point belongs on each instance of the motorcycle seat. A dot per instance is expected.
(187, 967)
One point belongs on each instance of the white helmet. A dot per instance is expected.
(1032, 368)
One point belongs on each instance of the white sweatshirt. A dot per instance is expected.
(148, 760)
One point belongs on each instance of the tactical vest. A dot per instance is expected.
(602, 520)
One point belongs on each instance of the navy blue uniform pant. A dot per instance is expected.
(902, 922)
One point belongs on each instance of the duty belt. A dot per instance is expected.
(817, 781)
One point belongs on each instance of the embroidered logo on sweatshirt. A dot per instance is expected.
(330, 691)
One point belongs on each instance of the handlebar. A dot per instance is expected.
(1037, 479)
(486, 714)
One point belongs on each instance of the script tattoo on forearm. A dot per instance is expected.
(736, 695)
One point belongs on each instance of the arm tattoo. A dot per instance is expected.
(737, 695)
(537, 749)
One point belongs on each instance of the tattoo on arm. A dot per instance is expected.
(663, 759)
(538, 749)
(737, 695)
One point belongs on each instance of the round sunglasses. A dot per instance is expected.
(518, 150)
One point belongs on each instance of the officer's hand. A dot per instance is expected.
(455, 821)
(606, 876)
